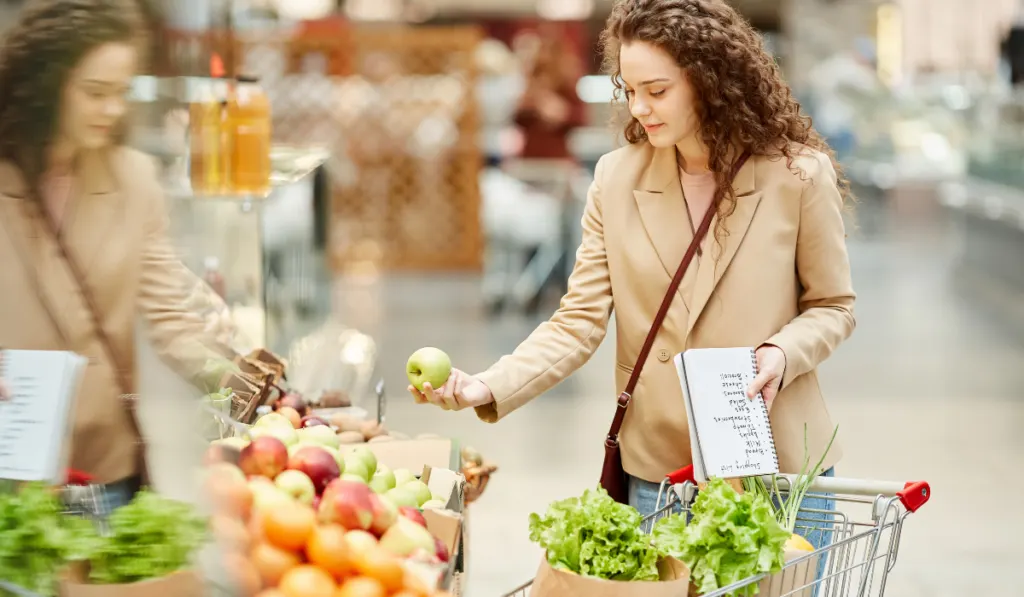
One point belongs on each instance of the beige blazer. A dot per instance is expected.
(780, 276)
(116, 229)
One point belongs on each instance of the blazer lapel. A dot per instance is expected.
(717, 258)
(663, 212)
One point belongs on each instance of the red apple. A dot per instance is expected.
(405, 538)
(441, 550)
(318, 464)
(413, 514)
(292, 415)
(316, 502)
(313, 421)
(266, 456)
(347, 503)
(385, 513)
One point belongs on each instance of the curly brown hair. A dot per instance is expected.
(743, 99)
(37, 57)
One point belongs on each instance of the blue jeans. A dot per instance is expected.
(643, 495)
(118, 495)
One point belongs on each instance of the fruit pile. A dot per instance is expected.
(298, 519)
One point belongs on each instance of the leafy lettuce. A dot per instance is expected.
(731, 537)
(595, 536)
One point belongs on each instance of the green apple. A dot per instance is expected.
(428, 365)
(287, 435)
(351, 477)
(434, 505)
(358, 468)
(420, 490)
(273, 420)
(297, 484)
(320, 434)
(402, 496)
(366, 455)
(403, 476)
(383, 480)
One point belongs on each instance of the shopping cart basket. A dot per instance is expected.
(861, 535)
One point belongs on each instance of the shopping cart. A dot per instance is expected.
(862, 535)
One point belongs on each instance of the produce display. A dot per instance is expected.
(301, 519)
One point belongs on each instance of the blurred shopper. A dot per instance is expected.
(550, 108)
(83, 246)
(773, 273)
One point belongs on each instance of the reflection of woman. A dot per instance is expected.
(82, 223)
(550, 107)
(773, 275)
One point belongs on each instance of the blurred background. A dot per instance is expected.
(416, 203)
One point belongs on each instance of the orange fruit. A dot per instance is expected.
(381, 566)
(289, 525)
(273, 562)
(307, 581)
(361, 586)
(327, 549)
(270, 593)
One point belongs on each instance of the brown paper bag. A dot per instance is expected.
(675, 578)
(793, 577)
(184, 583)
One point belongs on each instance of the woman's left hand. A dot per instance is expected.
(771, 364)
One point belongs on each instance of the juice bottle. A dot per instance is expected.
(248, 122)
(208, 154)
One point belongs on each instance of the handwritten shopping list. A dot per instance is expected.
(734, 432)
(34, 420)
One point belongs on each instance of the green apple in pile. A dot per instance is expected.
(403, 476)
(428, 365)
(320, 434)
(383, 480)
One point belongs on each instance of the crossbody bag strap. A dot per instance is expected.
(627, 394)
(90, 303)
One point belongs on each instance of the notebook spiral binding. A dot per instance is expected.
(764, 409)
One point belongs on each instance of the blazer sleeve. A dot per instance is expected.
(561, 345)
(823, 270)
(178, 334)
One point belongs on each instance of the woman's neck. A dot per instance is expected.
(692, 156)
(61, 157)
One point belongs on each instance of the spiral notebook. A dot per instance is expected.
(730, 434)
(35, 420)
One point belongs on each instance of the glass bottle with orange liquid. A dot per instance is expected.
(208, 156)
(249, 130)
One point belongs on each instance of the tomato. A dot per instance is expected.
(361, 586)
(307, 581)
(289, 525)
(327, 549)
(273, 562)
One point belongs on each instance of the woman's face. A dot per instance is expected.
(660, 96)
(96, 96)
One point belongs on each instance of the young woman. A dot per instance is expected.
(82, 224)
(773, 272)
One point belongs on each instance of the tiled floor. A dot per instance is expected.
(928, 387)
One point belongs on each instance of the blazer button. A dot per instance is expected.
(664, 356)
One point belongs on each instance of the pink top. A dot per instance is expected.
(698, 190)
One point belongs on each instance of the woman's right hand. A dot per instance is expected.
(460, 391)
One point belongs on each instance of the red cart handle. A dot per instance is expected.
(912, 495)
(79, 478)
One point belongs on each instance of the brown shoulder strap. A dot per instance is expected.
(90, 303)
(702, 230)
